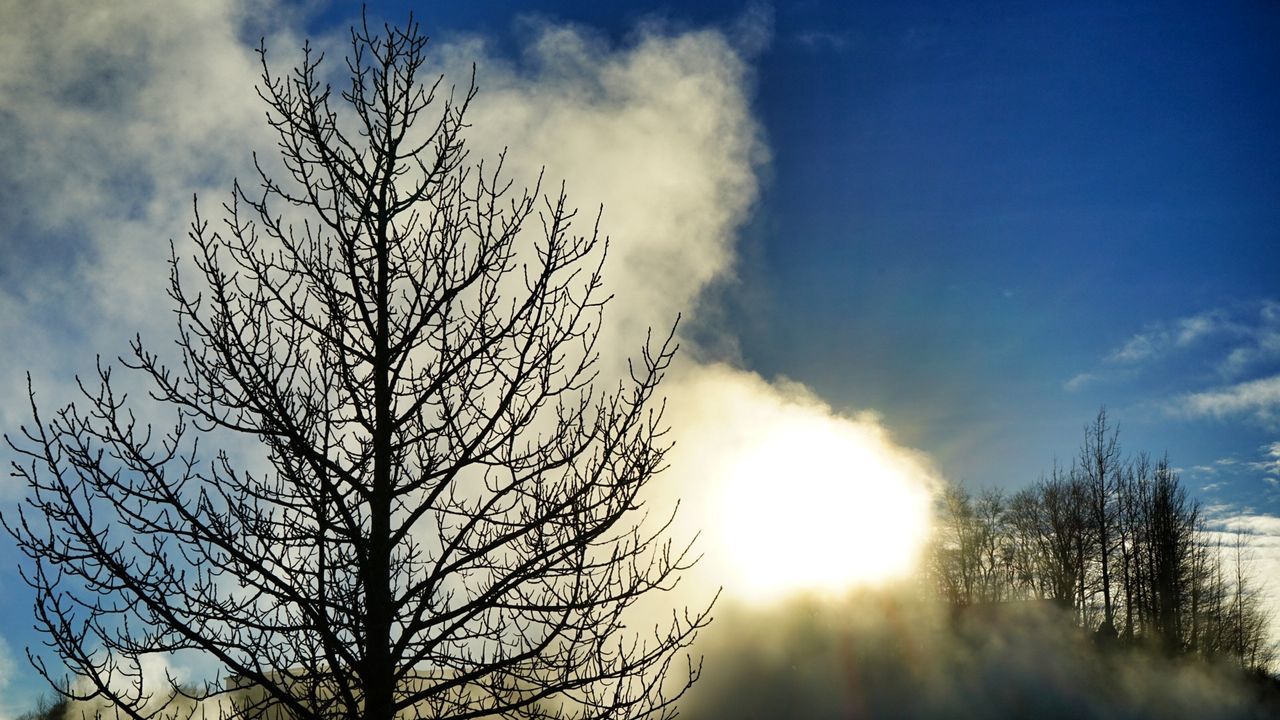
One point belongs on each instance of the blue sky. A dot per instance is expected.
(964, 229)
(968, 213)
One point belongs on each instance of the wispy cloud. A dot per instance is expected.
(1271, 464)
(820, 40)
(1137, 348)
(1247, 337)
(1263, 343)
(1165, 337)
(1079, 381)
(1254, 475)
(1258, 399)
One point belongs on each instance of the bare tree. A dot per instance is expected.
(1171, 532)
(991, 541)
(447, 525)
(955, 551)
(1028, 576)
(1100, 469)
(1248, 618)
(1133, 527)
(1065, 536)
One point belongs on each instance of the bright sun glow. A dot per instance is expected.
(819, 504)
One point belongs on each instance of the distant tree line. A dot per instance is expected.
(1118, 542)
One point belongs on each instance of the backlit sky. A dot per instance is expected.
(964, 229)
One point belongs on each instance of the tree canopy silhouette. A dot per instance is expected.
(1132, 557)
(446, 524)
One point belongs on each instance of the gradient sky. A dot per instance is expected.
(978, 224)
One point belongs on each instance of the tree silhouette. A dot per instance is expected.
(445, 525)
(1100, 472)
(1178, 589)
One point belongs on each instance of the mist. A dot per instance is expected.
(889, 653)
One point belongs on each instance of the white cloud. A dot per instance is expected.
(1271, 464)
(113, 116)
(1193, 328)
(659, 133)
(1163, 338)
(1266, 527)
(1249, 336)
(1138, 348)
(1259, 399)
(1260, 538)
(1079, 381)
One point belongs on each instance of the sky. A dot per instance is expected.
(986, 224)
(939, 239)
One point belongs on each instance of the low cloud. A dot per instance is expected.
(658, 133)
(1261, 526)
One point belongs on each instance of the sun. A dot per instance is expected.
(819, 504)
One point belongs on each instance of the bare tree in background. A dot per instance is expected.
(1180, 589)
(446, 527)
(1028, 576)
(1249, 617)
(1132, 525)
(1171, 529)
(1065, 536)
(1100, 468)
(956, 552)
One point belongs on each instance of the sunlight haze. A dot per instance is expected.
(819, 505)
